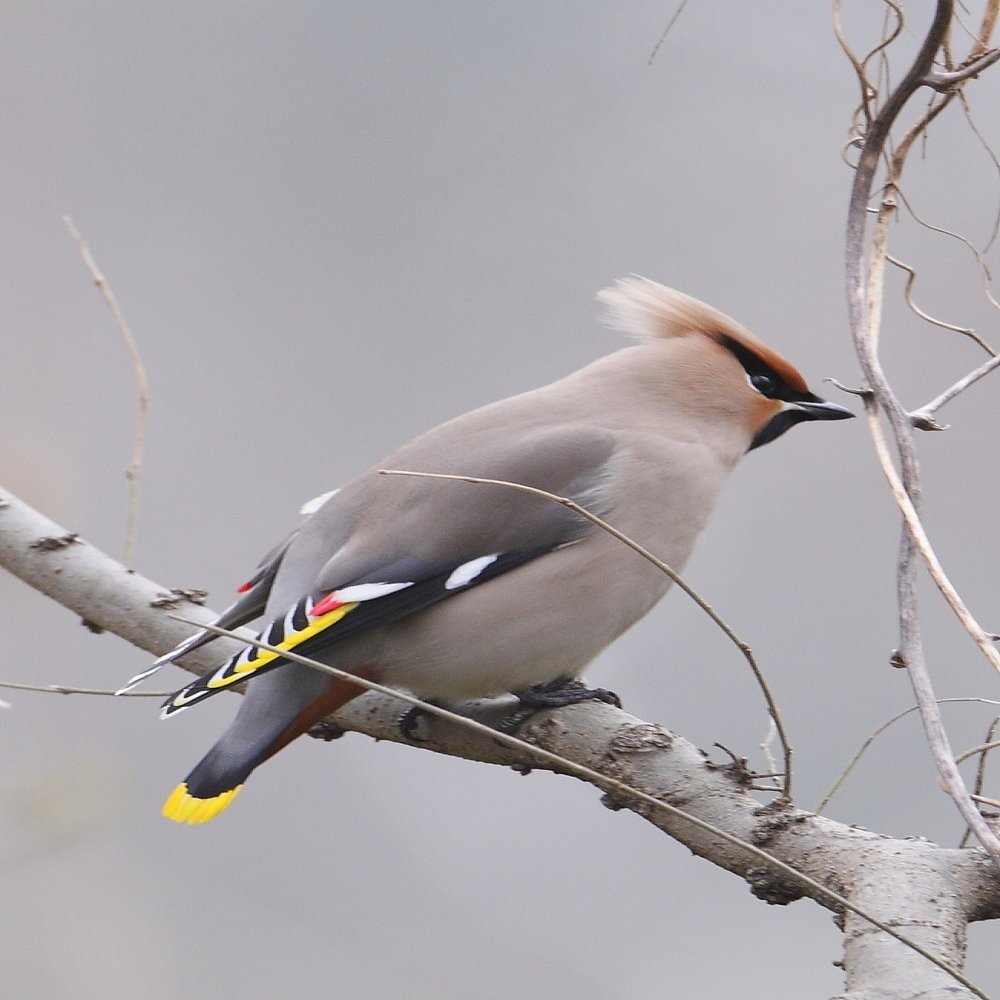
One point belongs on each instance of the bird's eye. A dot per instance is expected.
(763, 384)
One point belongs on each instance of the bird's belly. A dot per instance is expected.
(537, 623)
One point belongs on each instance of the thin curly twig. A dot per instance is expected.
(911, 277)
(864, 296)
(985, 277)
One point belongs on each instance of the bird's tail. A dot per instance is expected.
(209, 788)
(253, 737)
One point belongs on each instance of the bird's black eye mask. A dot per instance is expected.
(765, 379)
(762, 377)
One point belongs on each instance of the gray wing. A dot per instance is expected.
(435, 521)
(401, 544)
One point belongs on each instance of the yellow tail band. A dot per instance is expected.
(182, 807)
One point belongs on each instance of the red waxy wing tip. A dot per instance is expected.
(328, 603)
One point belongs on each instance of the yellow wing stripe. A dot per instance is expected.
(240, 671)
(182, 807)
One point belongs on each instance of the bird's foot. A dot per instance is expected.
(409, 721)
(555, 694)
(326, 731)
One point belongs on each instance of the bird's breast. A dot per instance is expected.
(550, 617)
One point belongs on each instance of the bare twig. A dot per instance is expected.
(967, 111)
(142, 385)
(765, 749)
(63, 689)
(865, 111)
(912, 653)
(743, 647)
(977, 788)
(982, 748)
(927, 411)
(863, 749)
(945, 82)
(864, 296)
(982, 638)
(666, 31)
(985, 278)
(911, 277)
(986, 27)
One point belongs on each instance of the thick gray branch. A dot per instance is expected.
(928, 891)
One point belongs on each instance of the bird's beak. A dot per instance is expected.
(795, 412)
(820, 409)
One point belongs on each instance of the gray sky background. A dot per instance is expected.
(331, 228)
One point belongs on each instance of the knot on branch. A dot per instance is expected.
(48, 543)
(641, 739)
(773, 822)
(326, 731)
(738, 768)
(772, 888)
(926, 422)
(175, 597)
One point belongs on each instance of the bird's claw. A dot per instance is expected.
(326, 731)
(555, 694)
(409, 721)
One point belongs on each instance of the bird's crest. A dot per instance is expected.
(650, 311)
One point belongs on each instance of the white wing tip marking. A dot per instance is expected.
(182, 700)
(463, 575)
(134, 682)
(311, 506)
(368, 591)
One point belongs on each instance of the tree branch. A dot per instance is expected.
(925, 413)
(940, 888)
(945, 82)
(864, 298)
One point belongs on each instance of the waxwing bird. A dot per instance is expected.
(453, 590)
